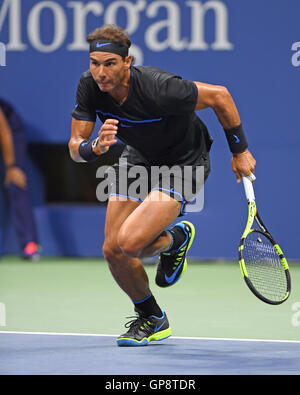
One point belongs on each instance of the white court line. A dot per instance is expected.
(171, 338)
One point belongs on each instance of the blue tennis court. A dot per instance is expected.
(77, 354)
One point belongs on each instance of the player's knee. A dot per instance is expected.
(111, 251)
(128, 244)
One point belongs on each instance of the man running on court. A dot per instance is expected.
(153, 113)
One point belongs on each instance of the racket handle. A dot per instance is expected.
(249, 191)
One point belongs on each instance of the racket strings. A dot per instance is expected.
(264, 267)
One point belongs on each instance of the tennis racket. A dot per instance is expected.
(262, 262)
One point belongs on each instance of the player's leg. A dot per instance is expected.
(128, 272)
(186, 186)
(143, 234)
(151, 323)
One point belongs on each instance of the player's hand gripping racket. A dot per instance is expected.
(263, 265)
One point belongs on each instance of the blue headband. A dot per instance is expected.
(108, 46)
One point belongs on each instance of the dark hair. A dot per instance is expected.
(112, 33)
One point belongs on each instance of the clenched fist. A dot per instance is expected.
(106, 136)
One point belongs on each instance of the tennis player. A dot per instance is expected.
(153, 113)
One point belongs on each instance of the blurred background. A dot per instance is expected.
(253, 48)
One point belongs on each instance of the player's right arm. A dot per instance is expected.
(82, 130)
(83, 122)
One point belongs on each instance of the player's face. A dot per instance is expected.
(108, 70)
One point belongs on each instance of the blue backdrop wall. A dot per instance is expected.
(251, 47)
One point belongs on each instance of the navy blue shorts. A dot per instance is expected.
(132, 177)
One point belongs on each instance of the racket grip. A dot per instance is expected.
(249, 191)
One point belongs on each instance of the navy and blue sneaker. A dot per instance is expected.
(143, 330)
(172, 264)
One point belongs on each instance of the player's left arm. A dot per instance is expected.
(220, 100)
